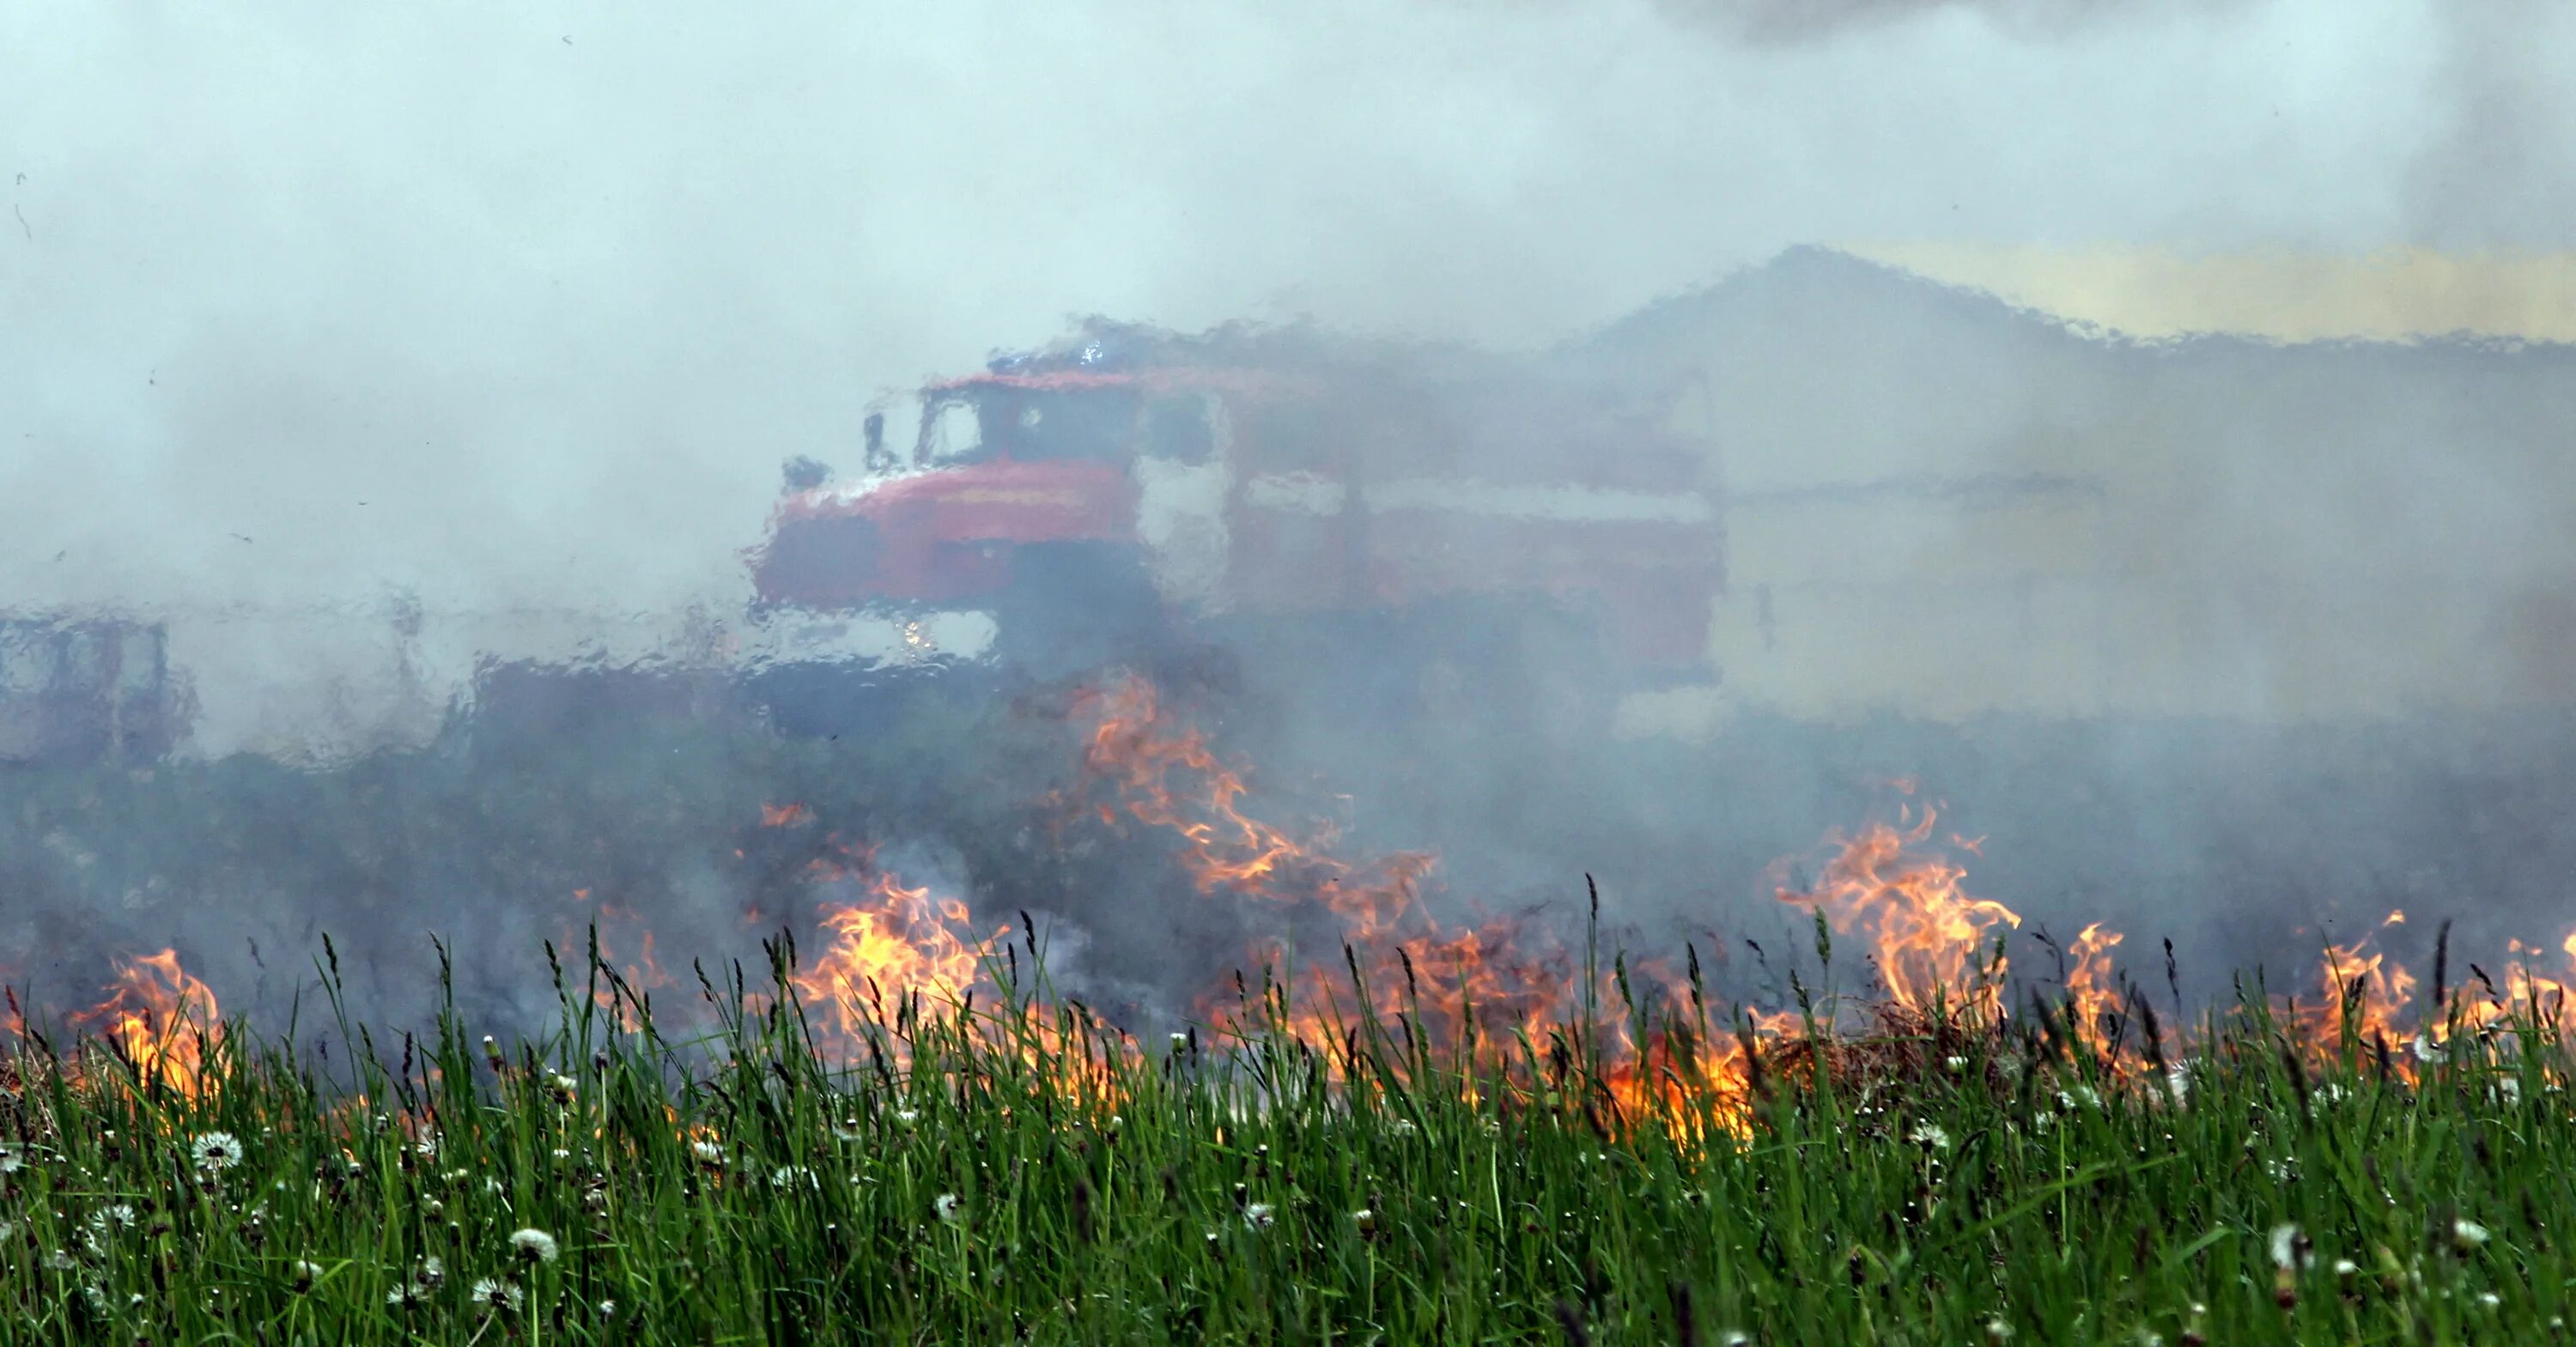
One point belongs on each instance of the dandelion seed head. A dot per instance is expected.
(1930, 1136)
(1259, 1216)
(2468, 1234)
(533, 1245)
(707, 1152)
(944, 1207)
(2291, 1251)
(216, 1151)
(495, 1293)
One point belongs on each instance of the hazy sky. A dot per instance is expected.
(526, 302)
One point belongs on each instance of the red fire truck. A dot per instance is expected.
(1373, 522)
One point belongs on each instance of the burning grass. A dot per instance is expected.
(1012, 1168)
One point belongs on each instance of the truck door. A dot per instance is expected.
(1183, 475)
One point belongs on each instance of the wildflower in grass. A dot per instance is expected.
(1259, 1216)
(430, 1275)
(708, 1152)
(216, 1151)
(848, 1129)
(300, 1275)
(499, 1295)
(905, 1118)
(944, 1207)
(1929, 1136)
(2467, 1235)
(1954, 1065)
(1366, 1220)
(11, 1159)
(1403, 1127)
(118, 1214)
(2291, 1249)
(2428, 1051)
(1998, 1331)
(533, 1246)
(791, 1176)
(559, 1087)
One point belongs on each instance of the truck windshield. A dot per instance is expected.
(1029, 425)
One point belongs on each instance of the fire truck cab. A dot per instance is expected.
(1283, 495)
(85, 691)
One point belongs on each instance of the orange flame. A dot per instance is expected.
(161, 1019)
(1933, 944)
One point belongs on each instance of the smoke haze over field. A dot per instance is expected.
(525, 309)
(321, 325)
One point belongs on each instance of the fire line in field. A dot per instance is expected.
(1494, 994)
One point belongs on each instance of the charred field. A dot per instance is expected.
(1070, 1018)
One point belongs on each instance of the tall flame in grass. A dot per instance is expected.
(160, 1019)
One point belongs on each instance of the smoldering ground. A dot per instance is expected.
(522, 316)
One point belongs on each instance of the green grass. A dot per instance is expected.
(1015, 1171)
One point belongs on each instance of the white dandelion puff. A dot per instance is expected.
(708, 1152)
(905, 1117)
(791, 1176)
(2291, 1251)
(2426, 1050)
(1930, 1136)
(216, 1151)
(533, 1245)
(302, 1274)
(1404, 1127)
(1259, 1216)
(495, 1293)
(2467, 1235)
(431, 1274)
(944, 1207)
(848, 1129)
(12, 1159)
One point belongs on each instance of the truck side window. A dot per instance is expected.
(1289, 437)
(1176, 429)
(26, 660)
(138, 662)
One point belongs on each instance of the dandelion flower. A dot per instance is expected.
(1366, 1220)
(1929, 1136)
(904, 1117)
(2426, 1050)
(495, 1293)
(708, 1152)
(1998, 1331)
(431, 1275)
(302, 1275)
(12, 1159)
(1259, 1216)
(944, 1207)
(2489, 1299)
(560, 1086)
(2467, 1235)
(1404, 1127)
(1954, 1065)
(216, 1151)
(2291, 1250)
(848, 1129)
(114, 1213)
(791, 1176)
(533, 1245)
